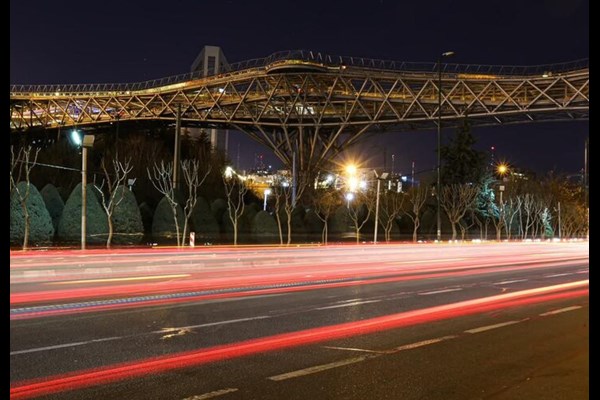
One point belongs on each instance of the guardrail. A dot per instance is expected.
(306, 55)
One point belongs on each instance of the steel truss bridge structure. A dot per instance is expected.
(315, 105)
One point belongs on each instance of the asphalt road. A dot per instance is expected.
(429, 322)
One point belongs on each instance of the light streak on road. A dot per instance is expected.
(132, 278)
(155, 365)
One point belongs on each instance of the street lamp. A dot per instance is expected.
(267, 193)
(439, 140)
(502, 169)
(349, 198)
(379, 178)
(86, 142)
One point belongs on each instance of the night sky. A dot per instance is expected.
(128, 41)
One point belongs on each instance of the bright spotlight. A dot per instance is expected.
(76, 138)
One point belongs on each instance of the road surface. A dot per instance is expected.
(437, 321)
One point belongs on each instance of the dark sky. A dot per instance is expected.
(130, 40)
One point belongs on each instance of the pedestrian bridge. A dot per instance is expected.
(315, 104)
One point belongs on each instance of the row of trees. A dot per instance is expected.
(529, 209)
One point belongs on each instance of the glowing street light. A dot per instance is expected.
(228, 172)
(349, 198)
(267, 193)
(351, 170)
(502, 169)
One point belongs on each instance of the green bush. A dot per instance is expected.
(147, 216)
(41, 230)
(264, 228)
(69, 227)
(340, 222)
(219, 210)
(204, 223)
(127, 219)
(163, 223)
(313, 224)
(54, 203)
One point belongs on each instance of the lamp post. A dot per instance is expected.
(379, 179)
(349, 197)
(87, 142)
(439, 141)
(267, 193)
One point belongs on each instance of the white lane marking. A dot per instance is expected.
(555, 275)
(585, 271)
(560, 310)
(507, 282)
(348, 301)
(356, 303)
(210, 395)
(163, 331)
(439, 260)
(231, 321)
(324, 367)
(423, 343)
(354, 349)
(490, 327)
(60, 346)
(439, 291)
(319, 368)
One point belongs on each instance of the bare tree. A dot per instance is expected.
(193, 180)
(417, 197)
(511, 209)
(390, 208)
(22, 164)
(121, 171)
(325, 202)
(498, 220)
(283, 202)
(235, 190)
(456, 199)
(528, 208)
(162, 179)
(359, 210)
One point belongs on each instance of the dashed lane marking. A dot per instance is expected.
(560, 310)
(507, 282)
(490, 327)
(556, 275)
(439, 291)
(355, 303)
(211, 395)
(354, 349)
(319, 368)
(423, 343)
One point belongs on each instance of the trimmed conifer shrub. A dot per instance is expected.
(41, 230)
(69, 227)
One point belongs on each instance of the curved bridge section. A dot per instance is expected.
(316, 105)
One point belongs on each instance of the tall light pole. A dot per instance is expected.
(87, 142)
(439, 141)
(379, 179)
(267, 193)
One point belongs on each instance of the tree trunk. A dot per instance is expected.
(110, 232)
(289, 230)
(235, 229)
(453, 229)
(415, 229)
(27, 226)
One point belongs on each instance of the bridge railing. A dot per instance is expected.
(311, 56)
